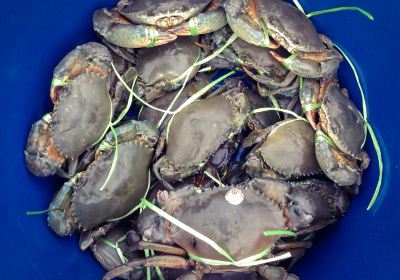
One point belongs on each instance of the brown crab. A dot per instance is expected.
(286, 148)
(197, 131)
(82, 203)
(80, 92)
(312, 54)
(238, 219)
(340, 131)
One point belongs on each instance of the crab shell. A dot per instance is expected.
(304, 204)
(289, 26)
(162, 13)
(289, 149)
(128, 182)
(259, 58)
(91, 57)
(237, 227)
(198, 131)
(41, 157)
(342, 121)
(158, 66)
(60, 218)
(81, 115)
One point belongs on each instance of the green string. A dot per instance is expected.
(56, 82)
(320, 136)
(363, 100)
(116, 247)
(129, 103)
(280, 232)
(32, 213)
(289, 60)
(380, 165)
(158, 270)
(193, 26)
(266, 109)
(153, 37)
(220, 184)
(339, 9)
(311, 106)
(115, 159)
(298, 5)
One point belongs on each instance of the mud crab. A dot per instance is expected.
(256, 61)
(81, 202)
(340, 133)
(159, 66)
(80, 92)
(313, 55)
(222, 213)
(198, 131)
(114, 249)
(287, 148)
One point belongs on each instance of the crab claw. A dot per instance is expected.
(119, 31)
(308, 98)
(203, 23)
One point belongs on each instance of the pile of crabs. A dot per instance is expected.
(255, 163)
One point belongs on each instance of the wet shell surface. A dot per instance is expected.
(126, 187)
(290, 150)
(81, 115)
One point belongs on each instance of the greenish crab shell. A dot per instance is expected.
(92, 206)
(196, 133)
(344, 123)
(81, 115)
(162, 13)
(159, 66)
(81, 204)
(234, 216)
(289, 150)
(289, 26)
(334, 164)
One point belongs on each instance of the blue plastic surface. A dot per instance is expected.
(35, 35)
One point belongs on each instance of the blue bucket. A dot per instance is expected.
(35, 37)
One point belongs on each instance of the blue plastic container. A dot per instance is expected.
(35, 37)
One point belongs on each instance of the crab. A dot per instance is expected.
(114, 249)
(83, 204)
(237, 219)
(285, 149)
(159, 66)
(254, 21)
(340, 132)
(82, 110)
(257, 62)
(196, 132)
(117, 30)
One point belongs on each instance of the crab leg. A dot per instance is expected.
(270, 81)
(160, 261)
(275, 273)
(193, 275)
(162, 248)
